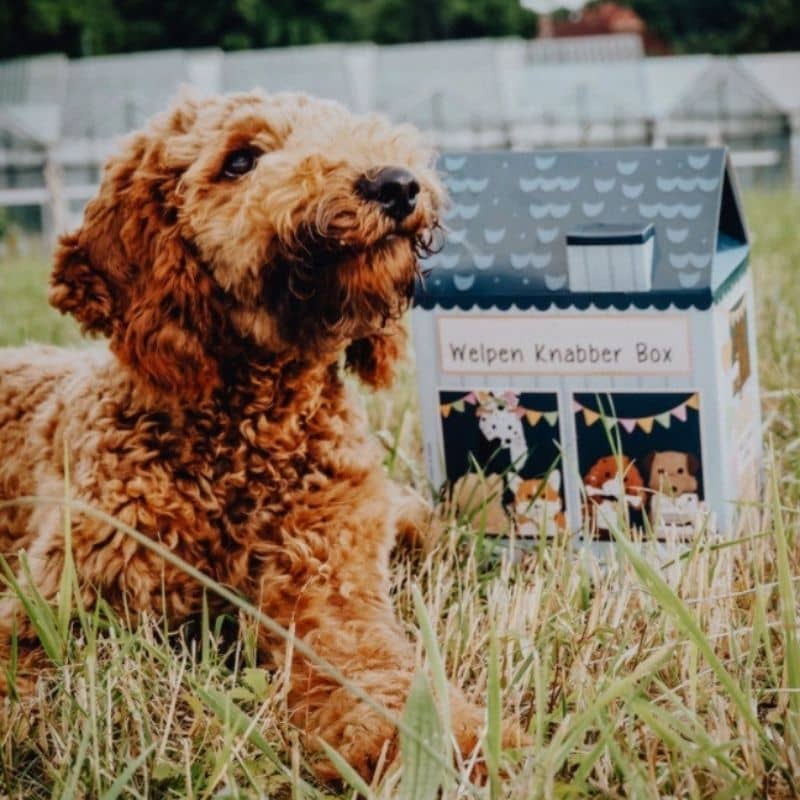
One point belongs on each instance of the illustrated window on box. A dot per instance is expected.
(610, 258)
(502, 454)
(640, 461)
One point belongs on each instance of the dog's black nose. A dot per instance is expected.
(394, 188)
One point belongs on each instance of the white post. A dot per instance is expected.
(794, 150)
(204, 71)
(59, 210)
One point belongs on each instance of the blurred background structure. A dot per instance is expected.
(605, 75)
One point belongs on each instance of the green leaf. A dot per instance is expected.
(256, 680)
(242, 694)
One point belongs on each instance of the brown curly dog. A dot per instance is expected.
(237, 249)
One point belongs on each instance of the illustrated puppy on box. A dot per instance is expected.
(673, 479)
(613, 486)
(500, 422)
(538, 507)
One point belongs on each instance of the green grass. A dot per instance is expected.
(632, 683)
(24, 313)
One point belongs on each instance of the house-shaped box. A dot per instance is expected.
(585, 342)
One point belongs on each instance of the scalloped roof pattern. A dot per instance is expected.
(510, 214)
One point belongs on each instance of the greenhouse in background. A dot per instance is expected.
(60, 118)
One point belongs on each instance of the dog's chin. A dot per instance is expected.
(340, 291)
(344, 252)
(389, 255)
(375, 282)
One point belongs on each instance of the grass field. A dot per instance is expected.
(630, 686)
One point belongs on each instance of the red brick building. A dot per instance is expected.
(600, 20)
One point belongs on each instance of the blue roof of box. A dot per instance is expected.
(511, 215)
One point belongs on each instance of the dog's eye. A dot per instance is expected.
(240, 162)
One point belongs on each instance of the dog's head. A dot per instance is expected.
(614, 476)
(672, 472)
(252, 224)
(502, 424)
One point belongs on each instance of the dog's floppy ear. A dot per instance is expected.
(77, 287)
(693, 463)
(167, 331)
(90, 275)
(373, 358)
(128, 272)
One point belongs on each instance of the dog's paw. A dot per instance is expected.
(23, 683)
(364, 738)
(468, 725)
(418, 526)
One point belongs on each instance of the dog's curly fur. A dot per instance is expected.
(218, 423)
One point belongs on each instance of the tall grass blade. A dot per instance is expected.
(274, 627)
(39, 611)
(788, 615)
(423, 776)
(682, 617)
(64, 602)
(71, 789)
(123, 779)
(574, 729)
(243, 725)
(494, 732)
(441, 686)
(349, 775)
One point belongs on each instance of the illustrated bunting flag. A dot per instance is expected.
(508, 400)
(646, 424)
(533, 417)
(590, 416)
(679, 412)
(629, 424)
(664, 419)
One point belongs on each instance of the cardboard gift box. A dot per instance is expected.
(585, 343)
